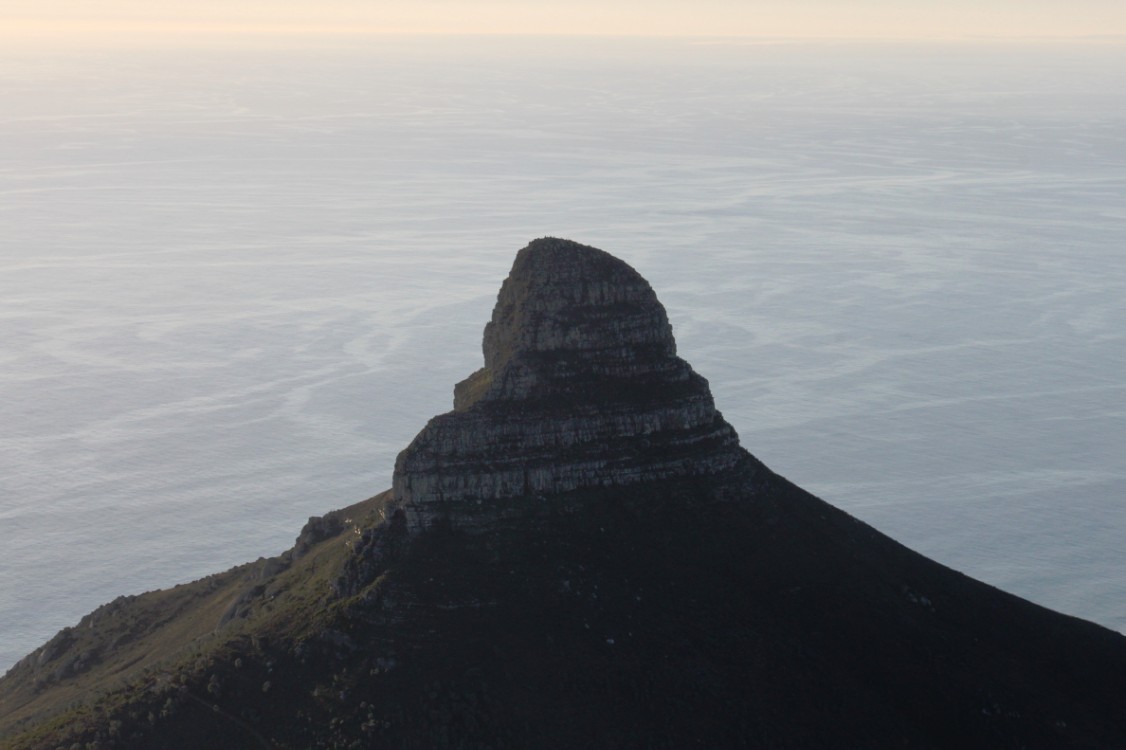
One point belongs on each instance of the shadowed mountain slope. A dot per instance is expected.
(580, 554)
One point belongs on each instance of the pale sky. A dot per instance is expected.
(773, 18)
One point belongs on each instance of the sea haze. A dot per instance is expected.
(235, 282)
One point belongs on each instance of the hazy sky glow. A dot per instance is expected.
(792, 18)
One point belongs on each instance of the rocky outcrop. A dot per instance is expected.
(581, 388)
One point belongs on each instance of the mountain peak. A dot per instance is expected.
(579, 555)
(581, 388)
(567, 312)
(563, 298)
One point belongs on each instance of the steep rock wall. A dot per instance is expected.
(581, 388)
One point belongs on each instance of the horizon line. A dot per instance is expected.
(95, 31)
(713, 38)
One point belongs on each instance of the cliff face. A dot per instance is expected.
(581, 388)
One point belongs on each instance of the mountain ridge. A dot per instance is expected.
(579, 553)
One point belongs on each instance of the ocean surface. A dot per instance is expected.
(235, 280)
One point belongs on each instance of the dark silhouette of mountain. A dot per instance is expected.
(578, 555)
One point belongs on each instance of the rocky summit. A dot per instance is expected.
(580, 554)
(581, 388)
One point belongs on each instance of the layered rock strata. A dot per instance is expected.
(581, 388)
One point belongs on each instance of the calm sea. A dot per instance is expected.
(234, 282)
